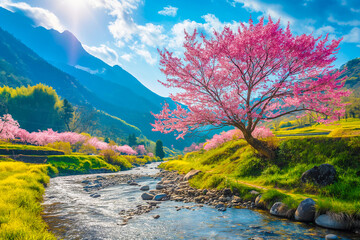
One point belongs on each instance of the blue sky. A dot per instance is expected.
(129, 32)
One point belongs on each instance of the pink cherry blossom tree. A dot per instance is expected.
(258, 73)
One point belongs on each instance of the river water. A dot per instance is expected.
(72, 214)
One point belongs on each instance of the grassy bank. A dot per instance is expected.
(22, 185)
(21, 191)
(236, 165)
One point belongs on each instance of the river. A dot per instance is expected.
(71, 213)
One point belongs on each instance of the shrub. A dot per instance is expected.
(63, 146)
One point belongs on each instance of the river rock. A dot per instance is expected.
(147, 196)
(160, 197)
(279, 209)
(322, 175)
(227, 192)
(191, 174)
(305, 212)
(253, 192)
(95, 195)
(329, 222)
(145, 188)
(159, 187)
(331, 237)
(257, 201)
(156, 216)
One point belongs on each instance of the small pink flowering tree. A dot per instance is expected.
(258, 73)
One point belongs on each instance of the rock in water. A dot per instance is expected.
(147, 196)
(145, 188)
(279, 209)
(329, 222)
(156, 216)
(191, 174)
(322, 175)
(305, 211)
(331, 237)
(160, 197)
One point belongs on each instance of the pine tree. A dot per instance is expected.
(67, 113)
(132, 139)
(159, 150)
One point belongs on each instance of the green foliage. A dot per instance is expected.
(159, 150)
(34, 107)
(21, 190)
(132, 139)
(67, 113)
(236, 161)
(63, 146)
(75, 164)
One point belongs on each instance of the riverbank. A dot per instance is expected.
(22, 186)
(235, 166)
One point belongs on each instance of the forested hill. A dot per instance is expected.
(353, 74)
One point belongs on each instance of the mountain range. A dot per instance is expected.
(59, 60)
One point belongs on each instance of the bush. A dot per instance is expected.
(63, 146)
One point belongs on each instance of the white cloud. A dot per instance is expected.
(353, 36)
(124, 29)
(127, 57)
(103, 52)
(86, 69)
(343, 23)
(273, 10)
(169, 11)
(41, 16)
(145, 54)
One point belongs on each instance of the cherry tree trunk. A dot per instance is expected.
(259, 145)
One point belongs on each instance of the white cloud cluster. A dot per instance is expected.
(103, 52)
(126, 31)
(169, 11)
(353, 36)
(41, 16)
(273, 10)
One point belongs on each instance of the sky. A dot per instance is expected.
(129, 33)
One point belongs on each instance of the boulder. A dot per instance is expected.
(253, 192)
(305, 212)
(279, 209)
(145, 188)
(322, 175)
(227, 192)
(191, 174)
(156, 216)
(160, 197)
(329, 222)
(147, 196)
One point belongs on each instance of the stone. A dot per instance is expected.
(331, 237)
(133, 183)
(257, 201)
(160, 197)
(147, 196)
(156, 216)
(305, 212)
(191, 174)
(95, 195)
(322, 175)
(327, 221)
(227, 192)
(253, 192)
(279, 209)
(159, 187)
(145, 188)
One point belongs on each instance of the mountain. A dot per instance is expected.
(110, 89)
(20, 66)
(353, 74)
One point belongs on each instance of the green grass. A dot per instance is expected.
(10, 146)
(79, 164)
(235, 164)
(344, 127)
(21, 190)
